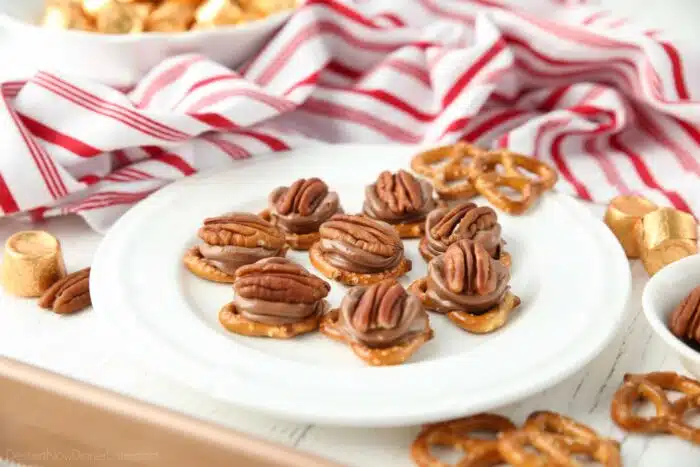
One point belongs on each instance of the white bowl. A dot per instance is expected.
(662, 294)
(121, 59)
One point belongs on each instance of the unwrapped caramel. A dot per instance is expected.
(32, 262)
(664, 236)
(622, 215)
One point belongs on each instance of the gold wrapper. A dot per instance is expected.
(171, 16)
(32, 262)
(122, 18)
(621, 216)
(212, 13)
(65, 15)
(664, 236)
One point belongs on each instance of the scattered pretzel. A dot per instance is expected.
(453, 179)
(669, 415)
(456, 434)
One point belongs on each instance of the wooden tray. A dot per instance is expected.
(50, 420)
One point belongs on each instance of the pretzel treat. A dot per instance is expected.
(231, 241)
(275, 298)
(357, 250)
(457, 434)
(299, 210)
(669, 415)
(401, 200)
(469, 286)
(382, 323)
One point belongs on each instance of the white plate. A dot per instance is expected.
(569, 271)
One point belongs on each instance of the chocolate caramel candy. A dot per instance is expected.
(398, 198)
(303, 206)
(622, 215)
(665, 236)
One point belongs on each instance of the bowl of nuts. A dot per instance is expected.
(118, 41)
(671, 303)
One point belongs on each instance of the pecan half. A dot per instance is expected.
(302, 197)
(369, 235)
(241, 229)
(379, 307)
(464, 221)
(279, 280)
(68, 295)
(468, 269)
(684, 321)
(401, 192)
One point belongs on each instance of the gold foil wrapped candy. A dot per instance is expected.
(664, 236)
(621, 216)
(32, 262)
(122, 18)
(65, 15)
(214, 13)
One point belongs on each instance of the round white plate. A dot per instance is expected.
(568, 269)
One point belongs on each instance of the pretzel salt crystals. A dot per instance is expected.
(669, 416)
(458, 435)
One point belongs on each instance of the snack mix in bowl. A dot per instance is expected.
(138, 16)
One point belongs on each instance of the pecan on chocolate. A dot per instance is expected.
(464, 221)
(400, 192)
(302, 197)
(243, 230)
(366, 235)
(684, 321)
(468, 269)
(68, 295)
(279, 280)
(382, 314)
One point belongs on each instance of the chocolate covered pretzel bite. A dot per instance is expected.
(469, 286)
(357, 250)
(231, 241)
(275, 298)
(300, 209)
(382, 323)
(401, 200)
(465, 221)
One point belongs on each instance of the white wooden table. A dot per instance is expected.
(83, 347)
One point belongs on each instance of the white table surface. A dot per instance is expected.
(82, 346)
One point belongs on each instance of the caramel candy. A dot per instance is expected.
(214, 13)
(32, 262)
(268, 7)
(171, 16)
(664, 236)
(622, 215)
(65, 15)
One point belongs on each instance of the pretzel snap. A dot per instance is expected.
(457, 434)
(448, 169)
(545, 177)
(669, 415)
(489, 185)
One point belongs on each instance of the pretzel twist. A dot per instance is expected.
(457, 434)
(669, 415)
(454, 179)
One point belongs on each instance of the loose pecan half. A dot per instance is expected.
(401, 192)
(68, 295)
(279, 280)
(241, 229)
(377, 238)
(684, 321)
(464, 221)
(302, 197)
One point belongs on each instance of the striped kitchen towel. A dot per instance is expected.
(612, 106)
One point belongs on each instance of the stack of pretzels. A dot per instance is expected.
(462, 171)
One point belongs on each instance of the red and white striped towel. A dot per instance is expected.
(609, 105)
